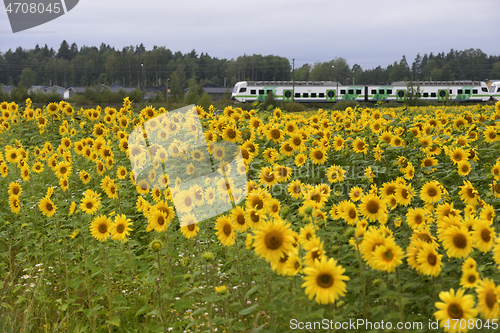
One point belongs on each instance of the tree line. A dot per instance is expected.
(92, 66)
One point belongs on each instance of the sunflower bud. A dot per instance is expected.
(156, 245)
(308, 210)
(340, 304)
(284, 211)
(59, 241)
(208, 256)
(335, 249)
(185, 262)
(376, 282)
(349, 232)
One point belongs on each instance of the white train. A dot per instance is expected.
(327, 91)
(494, 88)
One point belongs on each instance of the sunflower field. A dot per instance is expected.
(369, 219)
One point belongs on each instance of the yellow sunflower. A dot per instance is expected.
(325, 281)
(100, 228)
(488, 299)
(429, 260)
(120, 228)
(225, 230)
(457, 242)
(431, 192)
(47, 207)
(273, 239)
(454, 308)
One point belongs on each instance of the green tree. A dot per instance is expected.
(27, 78)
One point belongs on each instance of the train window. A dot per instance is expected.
(350, 91)
(474, 91)
(243, 89)
(342, 91)
(451, 92)
(389, 91)
(321, 95)
(358, 91)
(269, 91)
(297, 95)
(433, 94)
(426, 94)
(467, 91)
(460, 91)
(261, 91)
(313, 94)
(305, 95)
(381, 91)
(484, 89)
(253, 92)
(374, 91)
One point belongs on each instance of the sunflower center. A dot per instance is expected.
(324, 280)
(49, 206)
(89, 205)
(472, 279)
(388, 255)
(120, 228)
(432, 192)
(425, 238)
(188, 201)
(459, 241)
(160, 220)
(455, 311)
(227, 229)
(490, 299)
(352, 213)
(273, 240)
(191, 227)
(231, 133)
(103, 228)
(485, 235)
(255, 218)
(432, 259)
(268, 177)
(372, 207)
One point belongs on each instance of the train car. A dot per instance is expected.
(494, 89)
(328, 91)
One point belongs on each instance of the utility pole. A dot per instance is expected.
(293, 78)
(167, 89)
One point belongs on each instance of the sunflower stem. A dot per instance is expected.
(363, 285)
(108, 286)
(160, 291)
(208, 304)
(269, 293)
(400, 299)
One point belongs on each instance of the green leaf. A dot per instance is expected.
(251, 291)
(114, 321)
(249, 310)
(144, 309)
(239, 326)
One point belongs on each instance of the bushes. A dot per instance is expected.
(293, 107)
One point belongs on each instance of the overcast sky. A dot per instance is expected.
(364, 32)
